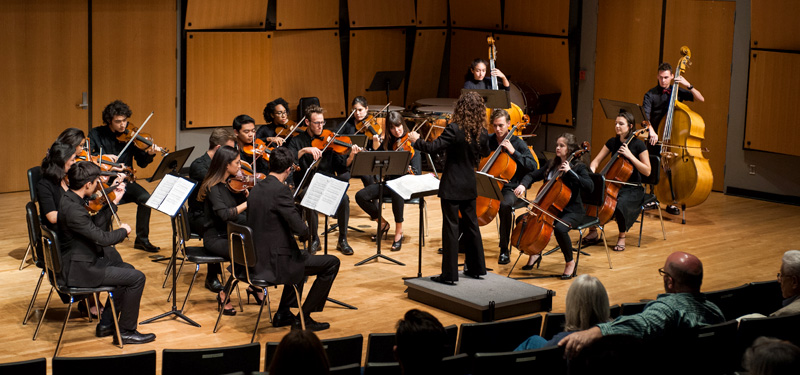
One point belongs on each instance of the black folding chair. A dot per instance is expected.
(34, 235)
(143, 363)
(553, 324)
(652, 180)
(344, 351)
(500, 336)
(208, 361)
(31, 367)
(734, 302)
(34, 175)
(536, 361)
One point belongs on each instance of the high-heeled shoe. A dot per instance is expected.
(396, 245)
(383, 232)
(229, 312)
(536, 263)
(567, 276)
(254, 293)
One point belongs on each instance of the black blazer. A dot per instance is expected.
(83, 243)
(574, 181)
(274, 219)
(458, 180)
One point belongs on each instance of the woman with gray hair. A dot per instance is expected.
(586, 306)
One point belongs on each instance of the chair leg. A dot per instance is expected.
(44, 312)
(64, 327)
(89, 309)
(258, 318)
(191, 284)
(608, 253)
(33, 299)
(661, 218)
(25, 257)
(239, 295)
(578, 256)
(300, 307)
(641, 224)
(225, 302)
(116, 319)
(97, 303)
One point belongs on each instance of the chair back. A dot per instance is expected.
(632, 308)
(180, 225)
(452, 340)
(143, 363)
(765, 296)
(34, 175)
(614, 310)
(501, 336)
(536, 361)
(733, 302)
(242, 251)
(457, 364)
(382, 368)
(785, 327)
(715, 348)
(380, 347)
(224, 360)
(597, 196)
(34, 232)
(51, 250)
(655, 171)
(351, 369)
(553, 324)
(31, 367)
(344, 351)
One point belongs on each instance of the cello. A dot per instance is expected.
(687, 176)
(533, 230)
(501, 166)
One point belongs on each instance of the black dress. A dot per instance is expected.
(367, 198)
(629, 198)
(220, 207)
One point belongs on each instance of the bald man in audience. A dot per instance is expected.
(682, 307)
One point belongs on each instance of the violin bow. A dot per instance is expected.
(133, 138)
(316, 162)
(108, 201)
(377, 113)
(345, 121)
(291, 131)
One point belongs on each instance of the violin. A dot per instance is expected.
(259, 149)
(143, 140)
(339, 144)
(99, 199)
(241, 182)
(107, 165)
(533, 230)
(290, 128)
(247, 169)
(370, 126)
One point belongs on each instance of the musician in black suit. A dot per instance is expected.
(576, 178)
(466, 141)
(519, 152)
(84, 262)
(275, 219)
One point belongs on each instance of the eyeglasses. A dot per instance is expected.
(280, 113)
(663, 273)
(318, 123)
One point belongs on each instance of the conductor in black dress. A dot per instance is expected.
(275, 220)
(84, 260)
(465, 140)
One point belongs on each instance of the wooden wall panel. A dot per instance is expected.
(465, 46)
(42, 80)
(432, 13)
(426, 66)
(541, 62)
(227, 74)
(313, 70)
(370, 13)
(137, 64)
(706, 27)
(773, 24)
(481, 14)
(229, 14)
(772, 94)
(372, 51)
(307, 14)
(537, 16)
(626, 59)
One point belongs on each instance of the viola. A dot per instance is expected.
(143, 141)
(533, 230)
(99, 199)
(242, 182)
(500, 165)
(339, 144)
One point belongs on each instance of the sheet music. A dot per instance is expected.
(411, 184)
(170, 194)
(324, 194)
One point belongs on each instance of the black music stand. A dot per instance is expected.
(612, 109)
(492, 98)
(387, 81)
(171, 163)
(421, 195)
(359, 140)
(382, 163)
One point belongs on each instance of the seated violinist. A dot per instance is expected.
(361, 109)
(115, 120)
(629, 197)
(367, 198)
(576, 177)
(276, 114)
(245, 129)
(222, 205)
(330, 164)
(73, 137)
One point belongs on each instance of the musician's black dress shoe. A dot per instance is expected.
(134, 337)
(504, 258)
(673, 210)
(213, 284)
(145, 245)
(440, 280)
(103, 331)
(313, 247)
(283, 319)
(344, 247)
(311, 324)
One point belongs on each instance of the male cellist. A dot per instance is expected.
(656, 104)
(521, 155)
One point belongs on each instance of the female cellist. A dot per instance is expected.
(629, 197)
(575, 177)
(276, 114)
(465, 140)
(476, 78)
(367, 198)
(222, 205)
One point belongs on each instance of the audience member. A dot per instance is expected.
(420, 343)
(587, 306)
(299, 352)
(682, 307)
(789, 277)
(771, 356)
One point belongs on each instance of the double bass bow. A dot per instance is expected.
(533, 230)
(687, 176)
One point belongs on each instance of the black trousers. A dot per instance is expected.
(127, 297)
(504, 215)
(561, 232)
(342, 218)
(325, 268)
(367, 199)
(471, 240)
(137, 194)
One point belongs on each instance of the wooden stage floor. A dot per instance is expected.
(739, 240)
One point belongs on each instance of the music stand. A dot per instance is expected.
(387, 81)
(359, 140)
(612, 108)
(171, 163)
(492, 98)
(382, 163)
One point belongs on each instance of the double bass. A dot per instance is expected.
(687, 176)
(515, 112)
(499, 165)
(533, 230)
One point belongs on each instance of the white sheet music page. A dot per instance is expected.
(170, 194)
(411, 184)
(324, 194)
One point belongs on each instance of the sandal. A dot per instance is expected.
(618, 246)
(384, 230)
